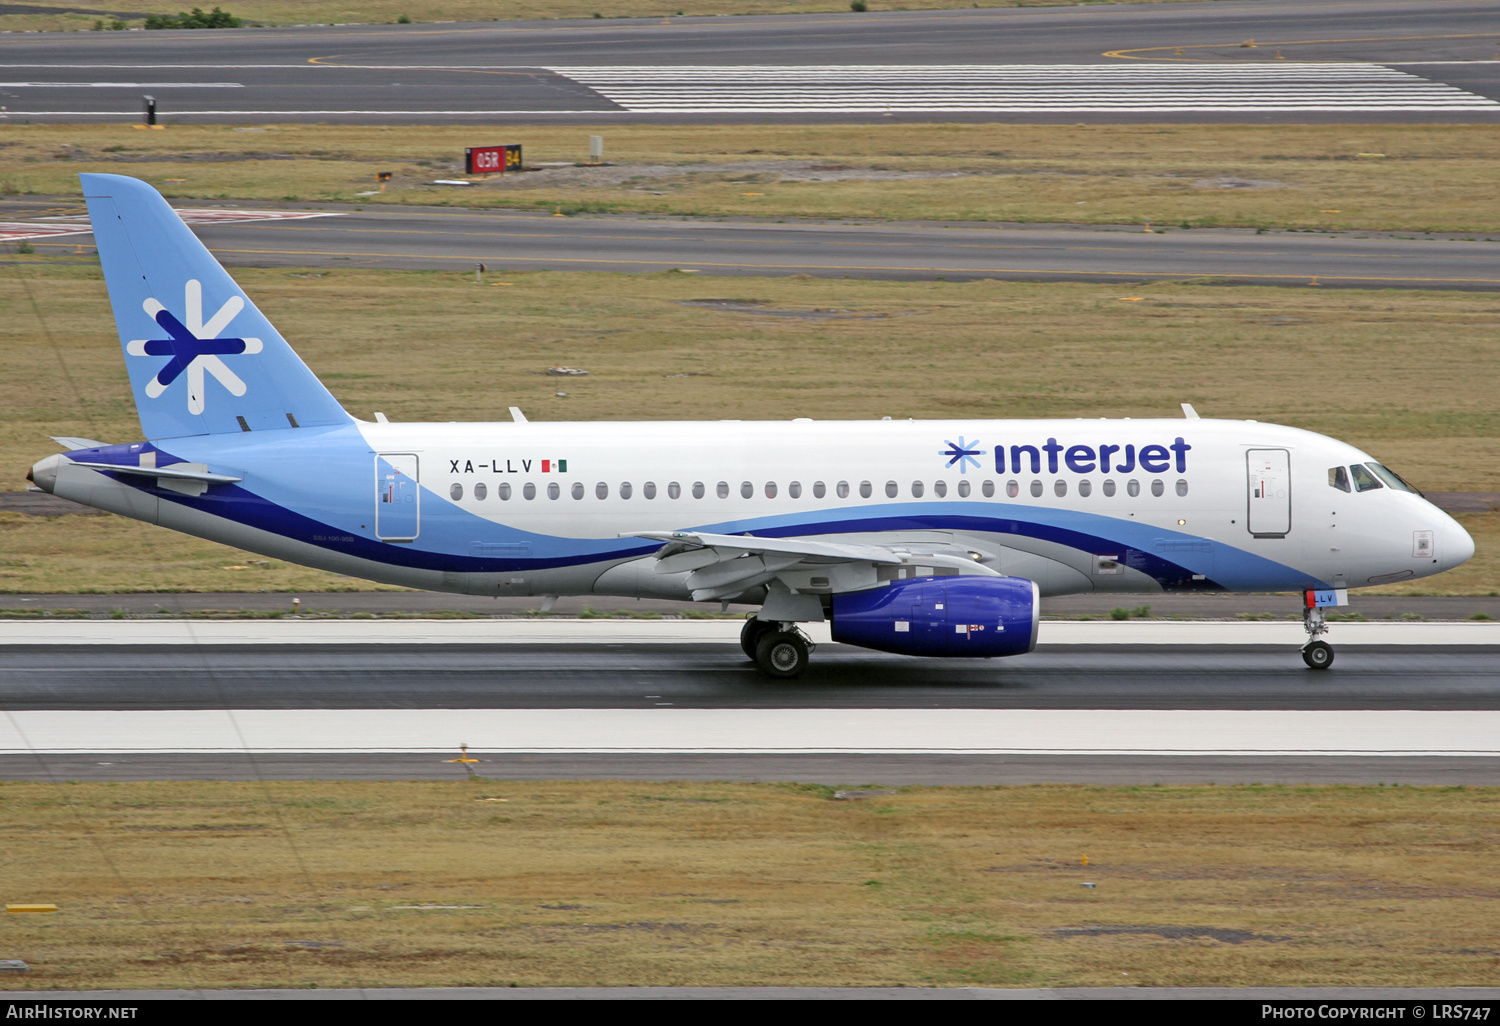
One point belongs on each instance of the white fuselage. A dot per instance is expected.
(541, 508)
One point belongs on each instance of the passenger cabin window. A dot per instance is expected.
(1132, 488)
(1364, 481)
(1012, 488)
(988, 488)
(891, 488)
(1392, 479)
(843, 489)
(601, 490)
(553, 490)
(819, 490)
(1085, 487)
(916, 489)
(1181, 486)
(698, 490)
(963, 489)
(624, 489)
(503, 491)
(940, 488)
(480, 491)
(746, 489)
(1060, 488)
(722, 488)
(794, 489)
(577, 489)
(649, 489)
(1036, 489)
(1338, 478)
(1109, 487)
(674, 490)
(529, 491)
(1157, 487)
(770, 489)
(865, 489)
(456, 491)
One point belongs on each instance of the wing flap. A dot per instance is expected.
(722, 566)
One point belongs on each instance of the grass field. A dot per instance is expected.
(1396, 177)
(1413, 383)
(596, 883)
(381, 12)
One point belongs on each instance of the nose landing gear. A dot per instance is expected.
(1318, 655)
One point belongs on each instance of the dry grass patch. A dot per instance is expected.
(1405, 375)
(1431, 177)
(589, 883)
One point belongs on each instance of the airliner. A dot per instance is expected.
(921, 537)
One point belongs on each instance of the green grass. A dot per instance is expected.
(1430, 177)
(197, 885)
(1413, 381)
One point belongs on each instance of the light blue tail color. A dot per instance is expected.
(202, 359)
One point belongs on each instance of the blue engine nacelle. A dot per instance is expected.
(942, 616)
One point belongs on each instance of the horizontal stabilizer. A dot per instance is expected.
(72, 444)
(179, 473)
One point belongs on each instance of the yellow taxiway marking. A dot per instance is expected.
(336, 226)
(876, 267)
(1129, 55)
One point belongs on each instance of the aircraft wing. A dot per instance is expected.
(722, 566)
(729, 546)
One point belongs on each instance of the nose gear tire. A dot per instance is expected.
(1318, 655)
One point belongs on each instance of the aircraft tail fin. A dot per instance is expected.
(202, 359)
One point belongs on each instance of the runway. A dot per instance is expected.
(1305, 60)
(671, 700)
(430, 238)
(572, 664)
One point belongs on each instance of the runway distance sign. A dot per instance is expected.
(492, 160)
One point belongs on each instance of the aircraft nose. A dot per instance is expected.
(1458, 546)
(43, 473)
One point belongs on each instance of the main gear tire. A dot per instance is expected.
(781, 655)
(750, 635)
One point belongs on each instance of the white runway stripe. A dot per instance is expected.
(1025, 88)
(914, 731)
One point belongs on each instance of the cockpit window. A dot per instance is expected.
(1364, 481)
(1338, 478)
(1391, 478)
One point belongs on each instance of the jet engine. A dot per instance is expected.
(941, 616)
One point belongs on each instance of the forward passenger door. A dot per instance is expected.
(1269, 487)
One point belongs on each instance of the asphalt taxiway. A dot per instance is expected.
(1229, 61)
(521, 241)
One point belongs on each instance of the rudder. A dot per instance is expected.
(202, 358)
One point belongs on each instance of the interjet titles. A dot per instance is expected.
(1086, 459)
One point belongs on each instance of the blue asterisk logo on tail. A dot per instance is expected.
(194, 346)
(962, 453)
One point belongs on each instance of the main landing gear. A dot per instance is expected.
(780, 650)
(1316, 654)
